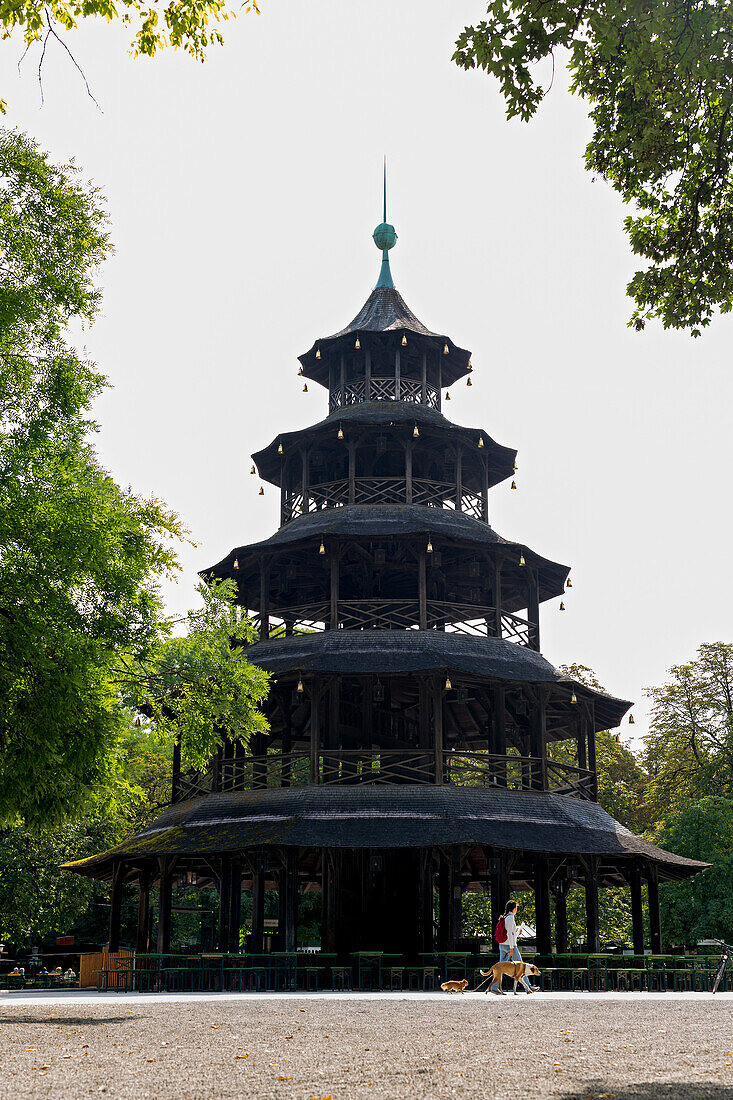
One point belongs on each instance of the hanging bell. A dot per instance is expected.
(318, 353)
(521, 560)
(415, 432)
(448, 684)
(513, 485)
(429, 547)
(469, 382)
(445, 349)
(305, 388)
(340, 434)
(562, 605)
(568, 583)
(299, 687)
(447, 396)
(357, 345)
(469, 365)
(574, 699)
(253, 471)
(404, 341)
(300, 370)
(480, 438)
(515, 467)
(262, 491)
(236, 563)
(321, 548)
(632, 721)
(280, 449)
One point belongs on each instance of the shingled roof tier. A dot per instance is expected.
(386, 311)
(388, 817)
(387, 414)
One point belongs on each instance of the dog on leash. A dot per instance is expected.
(455, 987)
(514, 970)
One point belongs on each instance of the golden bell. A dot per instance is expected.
(321, 548)
(513, 485)
(469, 365)
(357, 345)
(340, 434)
(521, 560)
(299, 688)
(300, 370)
(318, 353)
(448, 684)
(469, 382)
(445, 349)
(429, 547)
(631, 720)
(480, 438)
(236, 563)
(415, 432)
(573, 698)
(404, 341)
(568, 583)
(447, 397)
(253, 471)
(305, 388)
(562, 605)
(515, 467)
(280, 449)
(262, 491)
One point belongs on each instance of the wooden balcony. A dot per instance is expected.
(377, 614)
(388, 767)
(384, 389)
(382, 490)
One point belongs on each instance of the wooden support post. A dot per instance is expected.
(424, 380)
(334, 587)
(485, 489)
(367, 374)
(561, 920)
(592, 931)
(655, 923)
(422, 589)
(440, 381)
(305, 458)
(115, 908)
(499, 890)
(539, 741)
(258, 907)
(455, 926)
(592, 740)
(408, 473)
(497, 597)
(445, 890)
(637, 916)
(499, 730)
(235, 903)
(315, 727)
(225, 903)
(352, 471)
(291, 899)
(342, 380)
(397, 378)
(165, 901)
(438, 728)
(459, 477)
(142, 944)
(176, 779)
(264, 600)
(533, 609)
(542, 905)
(425, 916)
(582, 741)
(330, 862)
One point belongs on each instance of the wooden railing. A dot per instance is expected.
(381, 490)
(384, 389)
(376, 614)
(388, 767)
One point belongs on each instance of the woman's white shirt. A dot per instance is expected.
(511, 931)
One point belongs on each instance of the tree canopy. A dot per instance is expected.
(658, 79)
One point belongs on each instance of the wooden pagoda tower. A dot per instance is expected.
(420, 744)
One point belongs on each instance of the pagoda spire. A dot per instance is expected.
(384, 237)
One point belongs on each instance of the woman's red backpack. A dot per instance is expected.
(500, 931)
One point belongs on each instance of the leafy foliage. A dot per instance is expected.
(658, 80)
(79, 556)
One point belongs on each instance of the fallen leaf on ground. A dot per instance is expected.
(281, 1078)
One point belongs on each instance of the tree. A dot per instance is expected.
(700, 908)
(80, 557)
(688, 751)
(658, 78)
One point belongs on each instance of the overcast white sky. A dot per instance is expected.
(242, 195)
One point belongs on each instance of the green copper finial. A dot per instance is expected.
(384, 237)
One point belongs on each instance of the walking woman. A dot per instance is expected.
(508, 950)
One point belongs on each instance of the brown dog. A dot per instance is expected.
(514, 970)
(455, 987)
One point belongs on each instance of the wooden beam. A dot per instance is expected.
(291, 899)
(637, 915)
(561, 921)
(438, 728)
(165, 889)
(592, 933)
(542, 905)
(258, 907)
(143, 913)
(655, 923)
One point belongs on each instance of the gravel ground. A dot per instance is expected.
(577, 1047)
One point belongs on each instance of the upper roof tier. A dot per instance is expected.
(385, 312)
